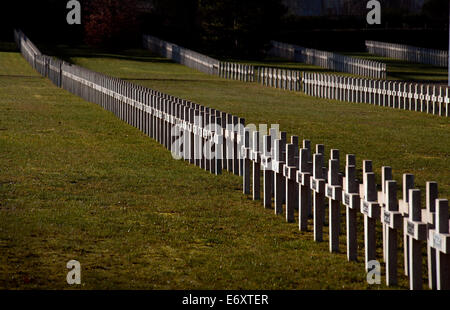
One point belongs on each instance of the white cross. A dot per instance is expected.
(317, 183)
(417, 232)
(439, 239)
(392, 221)
(371, 210)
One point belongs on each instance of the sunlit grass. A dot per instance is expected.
(77, 183)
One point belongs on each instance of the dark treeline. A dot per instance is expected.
(222, 28)
(43, 20)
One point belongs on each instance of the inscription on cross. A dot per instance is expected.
(408, 183)
(351, 200)
(371, 211)
(386, 175)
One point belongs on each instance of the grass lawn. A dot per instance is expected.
(397, 70)
(410, 142)
(407, 71)
(77, 183)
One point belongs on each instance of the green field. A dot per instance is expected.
(77, 183)
(397, 70)
(406, 71)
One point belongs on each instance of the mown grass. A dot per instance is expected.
(406, 71)
(76, 183)
(408, 141)
(397, 70)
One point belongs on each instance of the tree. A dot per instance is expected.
(237, 27)
(175, 20)
(110, 22)
(436, 10)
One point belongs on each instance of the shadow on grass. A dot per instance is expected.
(21, 76)
(173, 80)
(8, 47)
(67, 53)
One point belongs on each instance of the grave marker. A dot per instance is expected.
(303, 179)
(428, 216)
(417, 233)
(439, 239)
(386, 175)
(333, 191)
(218, 141)
(371, 210)
(351, 200)
(408, 183)
(246, 151)
(277, 167)
(266, 162)
(290, 172)
(317, 183)
(392, 221)
(256, 158)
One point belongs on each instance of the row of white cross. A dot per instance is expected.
(408, 96)
(181, 55)
(299, 181)
(329, 60)
(432, 99)
(26, 47)
(236, 71)
(409, 53)
(280, 78)
(295, 180)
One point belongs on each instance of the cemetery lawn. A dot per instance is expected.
(77, 183)
(406, 71)
(397, 70)
(408, 141)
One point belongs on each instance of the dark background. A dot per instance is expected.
(220, 27)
